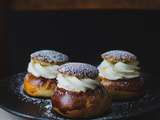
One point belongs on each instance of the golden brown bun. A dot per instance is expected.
(124, 89)
(38, 87)
(84, 104)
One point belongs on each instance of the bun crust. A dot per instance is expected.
(124, 89)
(81, 105)
(38, 87)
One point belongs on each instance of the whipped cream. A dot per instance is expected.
(118, 70)
(49, 72)
(72, 83)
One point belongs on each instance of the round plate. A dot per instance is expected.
(15, 101)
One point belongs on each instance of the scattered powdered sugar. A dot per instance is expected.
(80, 70)
(119, 55)
(49, 56)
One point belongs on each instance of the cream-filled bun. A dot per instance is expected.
(120, 73)
(79, 92)
(40, 81)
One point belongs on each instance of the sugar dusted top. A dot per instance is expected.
(80, 70)
(119, 56)
(49, 56)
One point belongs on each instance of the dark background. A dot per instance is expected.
(83, 35)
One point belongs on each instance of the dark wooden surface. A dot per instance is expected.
(84, 4)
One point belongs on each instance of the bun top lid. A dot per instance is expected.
(79, 70)
(49, 57)
(115, 56)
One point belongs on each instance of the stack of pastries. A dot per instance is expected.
(80, 90)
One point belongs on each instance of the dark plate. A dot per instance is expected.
(15, 101)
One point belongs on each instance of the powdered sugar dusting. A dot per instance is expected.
(80, 70)
(49, 56)
(119, 55)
